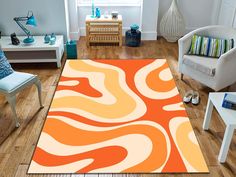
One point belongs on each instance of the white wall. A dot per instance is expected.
(227, 14)
(50, 16)
(197, 13)
(150, 19)
(74, 32)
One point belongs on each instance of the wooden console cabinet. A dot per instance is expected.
(104, 30)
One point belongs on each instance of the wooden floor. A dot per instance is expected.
(17, 149)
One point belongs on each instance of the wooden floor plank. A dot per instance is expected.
(91, 175)
(77, 175)
(119, 175)
(16, 151)
(105, 175)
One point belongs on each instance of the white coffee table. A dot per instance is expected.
(229, 118)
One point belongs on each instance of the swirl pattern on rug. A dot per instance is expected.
(117, 116)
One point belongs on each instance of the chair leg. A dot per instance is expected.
(38, 85)
(182, 76)
(12, 102)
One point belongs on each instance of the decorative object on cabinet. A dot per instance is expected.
(30, 20)
(104, 30)
(50, 39)
(114, 14)
(14, 39)
(47, 39)
(98, 13)
(172, 25)
(53, 39)
(133, 36)
(106, 14)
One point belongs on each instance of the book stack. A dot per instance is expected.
(229, 101)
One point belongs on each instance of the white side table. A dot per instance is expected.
(38, 52)
(229, 118)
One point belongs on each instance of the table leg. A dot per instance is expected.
(226, 143)
(208, 115)
(58, 58)
(58, 64)
(87, 34)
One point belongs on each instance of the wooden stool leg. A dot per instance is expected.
(12, 101)
(182, 77)
(38, 85)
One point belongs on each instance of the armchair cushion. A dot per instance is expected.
(205, 65)
(5, 67)
(14, 81)
(211, 47)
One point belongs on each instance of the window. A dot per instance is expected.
(110, 2)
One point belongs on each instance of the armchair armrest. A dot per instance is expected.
(226, 69)
(228, 57)
(184, 46)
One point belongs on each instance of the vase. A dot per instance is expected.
(172, 26)
(133, 36)
(98, 13)
(47, 39)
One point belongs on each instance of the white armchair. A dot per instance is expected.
(214, 73)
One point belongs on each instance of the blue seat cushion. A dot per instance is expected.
(15, 81)
(5, 67)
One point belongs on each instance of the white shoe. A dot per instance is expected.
(195, 98)
(188, 96)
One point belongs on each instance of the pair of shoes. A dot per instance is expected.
(192, 96)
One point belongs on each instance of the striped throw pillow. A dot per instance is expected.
(210, 47)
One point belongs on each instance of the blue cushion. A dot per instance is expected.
(5, 67)
(15, 81)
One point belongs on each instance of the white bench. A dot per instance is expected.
(39, 52)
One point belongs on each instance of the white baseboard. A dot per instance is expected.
(75, 35)
(149, 35)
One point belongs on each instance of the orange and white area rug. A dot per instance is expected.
(117, 116)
